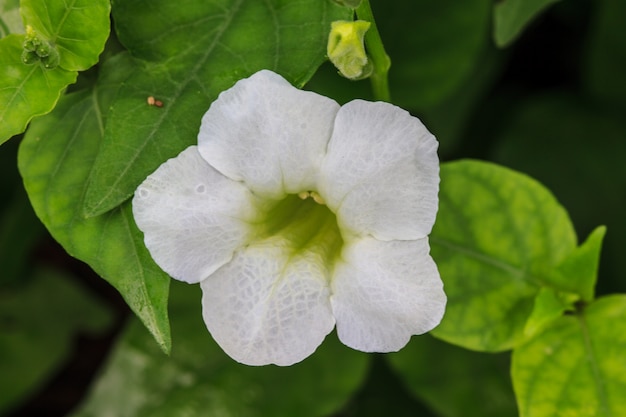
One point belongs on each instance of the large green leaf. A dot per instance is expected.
(445, 377)
(512, 16)
(26, 91)
(55, 160)
(433, 45)
(37, 322)
(576, 366)
(193, 51)
(497, 239)
(198, 379)
(78, 29)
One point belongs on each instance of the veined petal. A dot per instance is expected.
(193, 218)
(269, 305)
(381, 172)
(269, 134)
(384, 292)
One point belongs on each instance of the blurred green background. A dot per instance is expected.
(551, 104)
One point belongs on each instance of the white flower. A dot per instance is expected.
(278, 270)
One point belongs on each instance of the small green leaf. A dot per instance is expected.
(512, 16)
(55, 160)
(549, 305)
(37, 322)
(77, 28)
(10, 19)
(444, 376)
(576, 366)
(26, 91)
(579, 271)
(198, 379)
(193, 51)
(497, 237)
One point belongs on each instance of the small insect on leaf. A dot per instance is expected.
(151, 101)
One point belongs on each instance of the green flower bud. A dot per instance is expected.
(52, 60)
(36, 49)
(29, 57)
(346, 48)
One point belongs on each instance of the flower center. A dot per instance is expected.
(306, 223)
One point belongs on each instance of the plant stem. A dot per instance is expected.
(376, 51)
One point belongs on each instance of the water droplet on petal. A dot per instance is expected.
(200, 189)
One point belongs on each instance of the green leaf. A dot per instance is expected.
(77, 28)
(26, 91)
(606, 51)
(37, 322)
(10, 19)
(198, 379)
(512, 16)
(549, 305)
(433, 45)
(576, 366)
(55, 160)
(579, 271)
(497, 237)
(444, 376)
(195, 51)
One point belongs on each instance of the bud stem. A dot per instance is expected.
(376, 51)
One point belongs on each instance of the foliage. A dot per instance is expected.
(521, 286)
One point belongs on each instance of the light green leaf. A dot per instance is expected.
(195, 51)
(549, 305)
(579, 271)
(512, 16)
(576, 366)
(10, 19)
(198, 379)
(55, 160)
(445, 377)
(497, 237)
(433, 45)
(37, 322)
(26, 91)
(77, 28)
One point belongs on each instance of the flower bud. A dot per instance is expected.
(346, 49)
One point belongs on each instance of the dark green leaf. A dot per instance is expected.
(453, 381)
(576, 366)
(78, 29)
(55, 160)
(498, 236)
(26, 91)
(606, 53)
(198, 379)
(37, 322)
(193, 51)
(512, 16)
(433, 46)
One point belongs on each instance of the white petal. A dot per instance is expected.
(268, 307)
(381, 172)
(384, 292)
(269, 134)
(193, 218)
